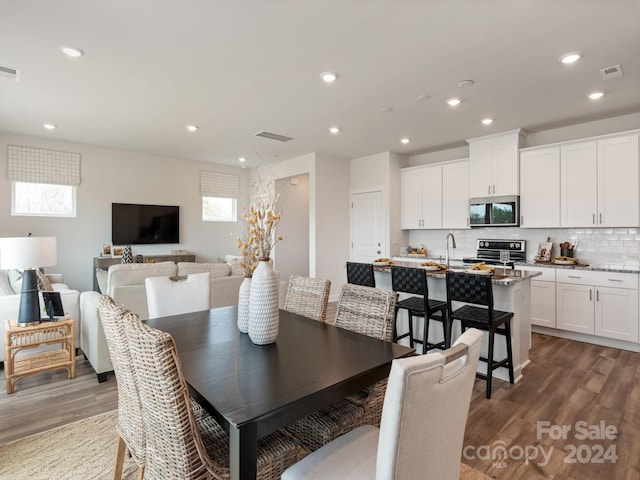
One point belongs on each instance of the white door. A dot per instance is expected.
(366, 227)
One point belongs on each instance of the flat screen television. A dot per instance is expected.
(135, 224)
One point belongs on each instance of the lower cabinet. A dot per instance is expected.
(616, 314)
(574, 308)
(543, 296)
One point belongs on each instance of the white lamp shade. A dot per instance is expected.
(28, 252)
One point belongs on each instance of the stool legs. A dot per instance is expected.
(490, 363)
(507, 328)
(409, 334)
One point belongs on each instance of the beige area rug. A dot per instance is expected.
(85, 450)
(82, 450)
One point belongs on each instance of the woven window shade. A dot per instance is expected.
(214, 184)
(39, 165)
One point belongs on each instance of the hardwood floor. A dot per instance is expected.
(567, 382)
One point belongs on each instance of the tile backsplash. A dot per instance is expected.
(609, 247)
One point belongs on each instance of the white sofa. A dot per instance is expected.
(10, 305)
(125, 284)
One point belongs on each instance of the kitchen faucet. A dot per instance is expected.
(453, 244)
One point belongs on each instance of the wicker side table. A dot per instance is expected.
(18, 339)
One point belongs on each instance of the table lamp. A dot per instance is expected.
(27, 254)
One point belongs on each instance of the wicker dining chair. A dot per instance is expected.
(179, 445)
(308, 297)
(368, 311)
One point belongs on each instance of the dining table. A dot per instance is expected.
(253, 390)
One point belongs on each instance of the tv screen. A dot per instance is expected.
(134, 224)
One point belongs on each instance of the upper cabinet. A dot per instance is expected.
(493, 164)
(600, 183)
(434, 196)
(540, 188)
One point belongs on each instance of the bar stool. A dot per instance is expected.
(414, 281)
(476, 289)
(360, 274)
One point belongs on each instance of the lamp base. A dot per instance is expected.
(29, 313)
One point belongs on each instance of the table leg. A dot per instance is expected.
(243, 452)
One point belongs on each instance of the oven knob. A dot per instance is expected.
(511, 245)
(518, 245)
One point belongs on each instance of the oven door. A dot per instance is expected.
(494, 211)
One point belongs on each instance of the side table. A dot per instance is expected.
(18, 339)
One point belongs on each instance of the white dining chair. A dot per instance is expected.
(422, 428)
(175, 295)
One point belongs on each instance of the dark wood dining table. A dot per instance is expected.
(255, 390)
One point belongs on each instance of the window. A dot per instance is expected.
(219, 193)
(43, 182)
(42, 199)
(219, 209)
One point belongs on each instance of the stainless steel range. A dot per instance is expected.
(488, 251)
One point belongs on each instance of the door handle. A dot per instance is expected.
(378, 252)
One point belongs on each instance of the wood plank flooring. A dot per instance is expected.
(567, 382)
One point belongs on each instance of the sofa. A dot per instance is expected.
(10, 303)
(125, 284)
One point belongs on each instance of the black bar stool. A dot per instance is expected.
(360, 274)
(476, 289)
(414, 281)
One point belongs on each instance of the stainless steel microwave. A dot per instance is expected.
(494, 211)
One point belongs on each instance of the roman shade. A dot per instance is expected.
(39, 165)
(215, 184)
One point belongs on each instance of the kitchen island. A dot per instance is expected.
(511, 293)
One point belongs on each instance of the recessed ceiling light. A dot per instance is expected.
(386, 109)
(487, 121)
(49, 126)
(329, 77)
(465, 83)
(424, 97)
(73, 52)
(193, 128)
(595, 95)
(405, 140)
(453, 102)
(571, 57)
(334, 130)
(242, 159)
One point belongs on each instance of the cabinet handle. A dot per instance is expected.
(573, 276)
(597, 295)
(600, 218)
(614, 280)
(494, 189)
(593, 218)
(489, 189)
(590, 294)
(521, 219)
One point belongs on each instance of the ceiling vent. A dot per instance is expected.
(272, 136)
(611, 72)
(10, 72)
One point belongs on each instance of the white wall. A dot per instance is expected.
(107, 176)
(294, 226)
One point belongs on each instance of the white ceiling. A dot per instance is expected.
(235, 67)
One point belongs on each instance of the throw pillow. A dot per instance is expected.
(5, 286)
(236, 269)
(15, 280)
(101, 278)
(44, 285)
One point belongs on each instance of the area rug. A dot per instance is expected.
(85, 450)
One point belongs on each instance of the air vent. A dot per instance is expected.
(272, 136)
(611, 72)
(10, 72)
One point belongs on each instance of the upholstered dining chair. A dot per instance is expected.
(174, 295)
(361, 274)
(179, 444)
(423, 422)
(308, 297)
(368, 311)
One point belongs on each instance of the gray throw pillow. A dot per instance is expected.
(15, 279)
(5, 285)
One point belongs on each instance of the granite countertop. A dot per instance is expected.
(594, 268)
(500, 277)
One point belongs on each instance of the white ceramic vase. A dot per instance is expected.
(243, 305)
(264, 314)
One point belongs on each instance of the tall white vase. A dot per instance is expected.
(243, 305)
(264, 314)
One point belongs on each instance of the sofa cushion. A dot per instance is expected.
(5, 286)
(101, 278)
(215, 270)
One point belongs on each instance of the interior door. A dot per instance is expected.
(366, 227)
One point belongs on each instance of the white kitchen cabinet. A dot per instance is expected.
(616, 313)
(540, 188)
(455, 195)
(421, 197)
(493, 164)
(574, 308)
(543, 296)
(600, 183)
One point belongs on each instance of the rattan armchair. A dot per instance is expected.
(179, 445)
(368, 311)
(308, 297)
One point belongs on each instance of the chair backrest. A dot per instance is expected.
(130, 425)
(409, 280)
(360, 274)
(308, 297)
(169, 296)
(469, 288)
(425, 412)
(366, 310)
(174, 445)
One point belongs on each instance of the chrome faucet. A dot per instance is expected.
(453, 244)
